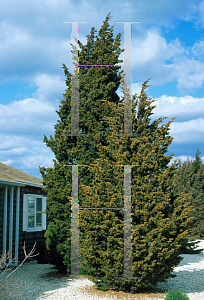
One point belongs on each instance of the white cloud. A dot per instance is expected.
(34, 116)
(35, 43)
(31, 48)
(200, 14)
(49, 87)
(186, 106)
(150, 53)
(28, 116)
(37, 160)
(7, 142)
(198, 49)
(15, 151)
(189, 73)
(153, 47)
(25, 154)
(188, 131)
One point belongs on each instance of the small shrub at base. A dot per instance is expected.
(176, 295)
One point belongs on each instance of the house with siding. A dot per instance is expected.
(22, 216)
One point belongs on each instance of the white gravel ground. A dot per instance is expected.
(189, 280)
(190, 275)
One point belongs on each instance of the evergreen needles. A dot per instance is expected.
(160, 220)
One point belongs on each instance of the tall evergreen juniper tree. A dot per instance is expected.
(95, 83)
(159, 219)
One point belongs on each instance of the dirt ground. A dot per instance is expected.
(151, 293)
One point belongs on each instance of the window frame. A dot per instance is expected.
(26, 213)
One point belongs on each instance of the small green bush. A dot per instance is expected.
(176, 295)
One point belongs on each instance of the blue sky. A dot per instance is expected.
(167, 45)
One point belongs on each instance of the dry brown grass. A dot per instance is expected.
(151, 293)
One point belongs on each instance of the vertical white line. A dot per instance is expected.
(75, 84)
(128, 77)
(17, 224)
(74, 81)
(127, 223)
(75, 224)
(11, 224)
(127, 259)
(5, 221)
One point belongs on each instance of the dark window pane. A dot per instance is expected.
(38, 219)
(39, 204)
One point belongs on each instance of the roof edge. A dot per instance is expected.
(20, 183)
(40, 185)
(8, 182)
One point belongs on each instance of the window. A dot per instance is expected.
(34, 218)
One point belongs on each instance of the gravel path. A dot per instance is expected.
(190, 280)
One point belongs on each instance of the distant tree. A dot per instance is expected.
(197, 202)
(196, 164)
(183, 179)
(190, 179)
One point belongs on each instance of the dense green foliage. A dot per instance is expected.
(159, 218)
(176, 295)
(190, 180)
(95, 83)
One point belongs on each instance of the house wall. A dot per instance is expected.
(29, 237)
